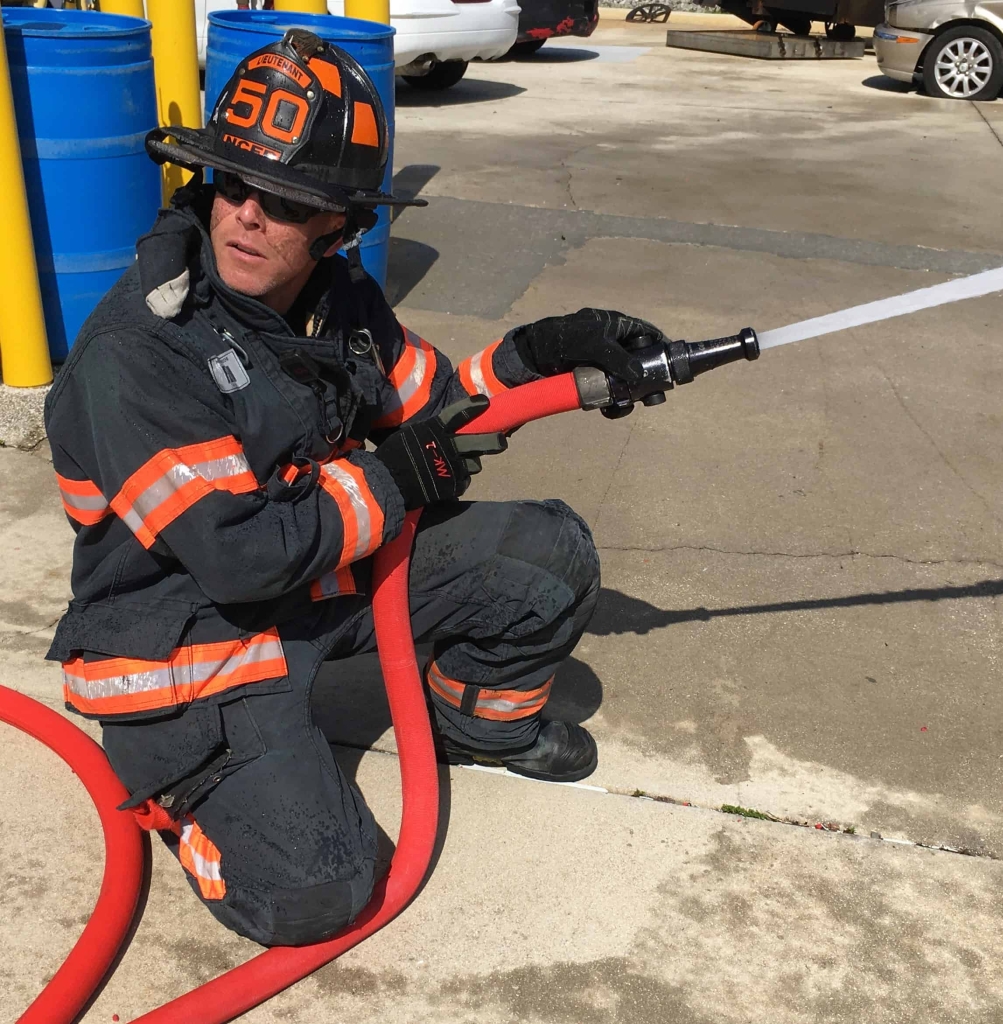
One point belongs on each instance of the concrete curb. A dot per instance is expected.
(22, 423)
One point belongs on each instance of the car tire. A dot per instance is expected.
(964, 63)
(442, 75)
(525, 49)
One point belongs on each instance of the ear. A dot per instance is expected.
(337, 223)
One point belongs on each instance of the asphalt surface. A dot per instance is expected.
(801, 574)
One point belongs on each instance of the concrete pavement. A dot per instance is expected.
(801, 566)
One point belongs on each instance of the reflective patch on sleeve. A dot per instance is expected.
(82, 500)
(412, 379)
(361, 515)
(477, 373)
(175, 479)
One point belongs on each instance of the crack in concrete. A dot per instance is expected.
(984, 502)
(612, 477)
(849, 553)
(978, 110)
(820, 824)
(567, 184)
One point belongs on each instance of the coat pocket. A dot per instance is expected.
(120, 629)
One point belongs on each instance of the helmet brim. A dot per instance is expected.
(192, 149)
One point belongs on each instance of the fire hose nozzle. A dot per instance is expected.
(666, 364)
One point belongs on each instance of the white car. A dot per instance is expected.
(435, 38)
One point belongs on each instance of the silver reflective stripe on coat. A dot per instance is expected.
(175, 478)
(477, 375)
(350, 486)
(86, 503)
(182, 670)
(409, 386)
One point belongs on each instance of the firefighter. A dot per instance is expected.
(209, 435)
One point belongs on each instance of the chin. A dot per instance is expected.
(244, 281)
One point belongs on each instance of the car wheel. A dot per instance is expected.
(525, 49)
(441, 75)
(965, 63)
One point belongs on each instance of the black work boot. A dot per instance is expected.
(563, 752)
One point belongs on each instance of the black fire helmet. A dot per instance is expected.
(299, 118)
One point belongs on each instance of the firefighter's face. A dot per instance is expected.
(265, 257)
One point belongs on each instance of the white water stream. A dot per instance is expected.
(923, 298)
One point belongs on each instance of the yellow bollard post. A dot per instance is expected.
(304, 6)
(176, 68)
(369, 10)
(24, 348)
(133, 8)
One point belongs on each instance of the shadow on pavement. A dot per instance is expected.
(619, 614)
(549, 55)
(469, 90)
(407, 263)
(884, 84)
(408, 183)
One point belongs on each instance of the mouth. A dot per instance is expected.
(246, 251)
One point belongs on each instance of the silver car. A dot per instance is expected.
(954, 47)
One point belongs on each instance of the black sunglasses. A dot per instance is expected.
(233, 188)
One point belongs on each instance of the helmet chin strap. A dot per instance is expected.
(348, 236)
(322, 244)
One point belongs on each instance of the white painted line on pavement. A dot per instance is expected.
(526, 778)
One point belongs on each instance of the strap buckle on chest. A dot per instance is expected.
(361, 343)
(304, 370)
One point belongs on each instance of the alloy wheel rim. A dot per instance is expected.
(963, 67)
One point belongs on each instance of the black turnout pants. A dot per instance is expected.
(504, 591)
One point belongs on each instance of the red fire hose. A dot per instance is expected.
(270, 972)
(94, 951)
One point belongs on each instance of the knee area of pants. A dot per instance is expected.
(295, 917)
(552, 536)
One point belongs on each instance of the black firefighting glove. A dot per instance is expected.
(590, 337)
(430, 462)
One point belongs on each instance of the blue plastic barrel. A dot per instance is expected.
(235, 34)
(84, 99)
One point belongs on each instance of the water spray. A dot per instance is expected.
(972, 287)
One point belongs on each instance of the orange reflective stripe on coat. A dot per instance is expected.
(412, 381)
(82, 501)
(201, 858)
(115, 686)
(477, 374)
(496, 705)
(361, 515)
(335, 583)
(175, 479)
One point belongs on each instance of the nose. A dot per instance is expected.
(250, 213)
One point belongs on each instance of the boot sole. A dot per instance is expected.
(582, 773)
(529, 773)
